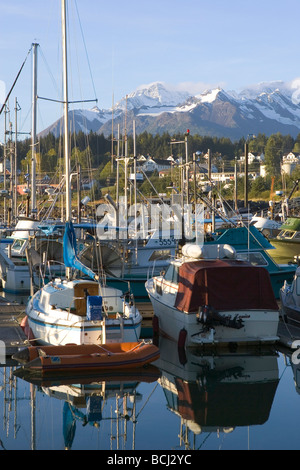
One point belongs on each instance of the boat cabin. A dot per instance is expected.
(290, 230)
(223, 285)
(73, 297)
(219, 283)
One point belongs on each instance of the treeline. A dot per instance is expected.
(93, 151)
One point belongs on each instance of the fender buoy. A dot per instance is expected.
(155, 325)
(26, 328)
(182, 338)
(181, 346)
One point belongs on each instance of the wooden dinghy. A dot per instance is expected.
(89, 357)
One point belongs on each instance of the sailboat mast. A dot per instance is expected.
(33, 133)
(66, 106)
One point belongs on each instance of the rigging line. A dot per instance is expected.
(138, 414)
(88, 61)
(13, 85)
(70, 102)
(49, 71)
(84, 118)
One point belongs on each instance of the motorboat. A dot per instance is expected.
(215, 300)
(290, 299)
(287, 242)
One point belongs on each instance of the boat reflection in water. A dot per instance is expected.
(93, 399)
(217, 393)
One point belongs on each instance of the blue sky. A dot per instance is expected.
(189, 44)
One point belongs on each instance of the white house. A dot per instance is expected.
(289, 162)
(151, 165)
(253, 157)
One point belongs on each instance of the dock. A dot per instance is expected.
(11, 333)
(14, 338)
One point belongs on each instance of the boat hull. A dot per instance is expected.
(290, 309)
(285, 250)
(16, 280)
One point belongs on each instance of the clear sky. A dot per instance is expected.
(189, 44)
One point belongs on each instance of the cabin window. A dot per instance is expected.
(157, 255)
(255, 258)
(171, 274)
(18, 245)
(288, 234)
(297, 235)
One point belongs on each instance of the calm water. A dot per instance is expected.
(194, 402)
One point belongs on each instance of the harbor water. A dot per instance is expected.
(185, 401)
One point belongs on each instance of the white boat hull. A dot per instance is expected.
(259, 326)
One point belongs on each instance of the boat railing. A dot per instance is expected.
(152, 269)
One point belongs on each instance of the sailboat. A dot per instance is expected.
(79, 311)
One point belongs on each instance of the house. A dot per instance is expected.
(253, 157)
(150, 165)
(289, 162)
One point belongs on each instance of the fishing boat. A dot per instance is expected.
(287, 242)
(217, 301)
(268, 226)
(129, 261)
(88, 357)
(77, 310)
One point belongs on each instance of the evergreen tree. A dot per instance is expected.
(273, 154)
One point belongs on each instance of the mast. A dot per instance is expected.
(15, 163)
(33, 136)
(66, 120)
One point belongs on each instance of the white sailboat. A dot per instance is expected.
(79, 311)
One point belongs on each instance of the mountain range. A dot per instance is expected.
(268, 108)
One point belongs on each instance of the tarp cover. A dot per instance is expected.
(224, 285)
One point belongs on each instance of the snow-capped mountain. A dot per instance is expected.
(156, 108)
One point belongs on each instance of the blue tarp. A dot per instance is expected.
(70, 252)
